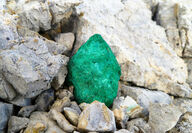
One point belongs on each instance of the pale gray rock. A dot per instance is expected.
(185, 104)
(21, 101)
(122, 131)
(138, 125)
(15, 124)
(125, 108)
(66, 39)
(61, 121)
(75, 106)
(40, 122)
(184, 125)
(188, 61)
(7, 91)
(72, 115)
(34, 15)
(163, 117)
(175, 16)
(83, 106)
(97, 117)
(30, 67)
(27, 110)
(144, 97)
(140, 46)
(45, 100)
(6, 111)
(61, 9)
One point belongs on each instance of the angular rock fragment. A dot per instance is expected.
(61, 9)
(44, 100)
(61, 93)
(21, 101)
(138, 125)
(140, 46)
(72, 115)
(40, 122)
(94, 72)
(76, 107)
(59, 104)
(66, 39)
(144, 97)
(15, 124)
(125, 108)
(27, 110)
(61, 121)
(6, 111)
(163, 117)
(185, 104)
(97, 117)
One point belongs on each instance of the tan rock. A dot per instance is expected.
(61, 121)
(59, 104)
(97, 117)
(72, 115)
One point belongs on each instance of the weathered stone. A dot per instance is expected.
(97, 117)
(75, 106)
(21, 101)
(94, 72)
(61, 93)
(163, 117)
(7, 91)
(59, 104)
(15, 124)
(72, 115)
(45, 100)
(185, 104)
(184, 125)
(66, 39)
(140, 46)
(125, 108)
(40, 122)
(6, 111)
(27, 110)
(175, 16)
(138, 125)
(61, 121)
(30, 67)
(188, 61)
(144, 97)
(83, 106)
(61, 9)
(122, 131)
(34, 15)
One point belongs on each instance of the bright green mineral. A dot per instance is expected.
(94, 72)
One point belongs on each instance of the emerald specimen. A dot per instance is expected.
(94, 72)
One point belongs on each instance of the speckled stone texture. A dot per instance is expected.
(94, 72)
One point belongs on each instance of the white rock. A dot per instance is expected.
(140, 46)
(122, 131)
(144, 97)
(163, 117)
(97, 117)
(188, 61)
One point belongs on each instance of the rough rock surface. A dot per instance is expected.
(15, 124)
(138, 125)
(175, 16)
(6, 111)
(163, 117)
(94, 72)
(125, 108)
(188, 61)
(140, 46)
(145, 97)
(97, 117)
(72, 115)
(40, 122)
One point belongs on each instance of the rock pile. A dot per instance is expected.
(150, 40)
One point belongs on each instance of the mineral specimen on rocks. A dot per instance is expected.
(94, 72)
(97, 117)
(140, 46)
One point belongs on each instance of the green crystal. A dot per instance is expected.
(94, 72)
